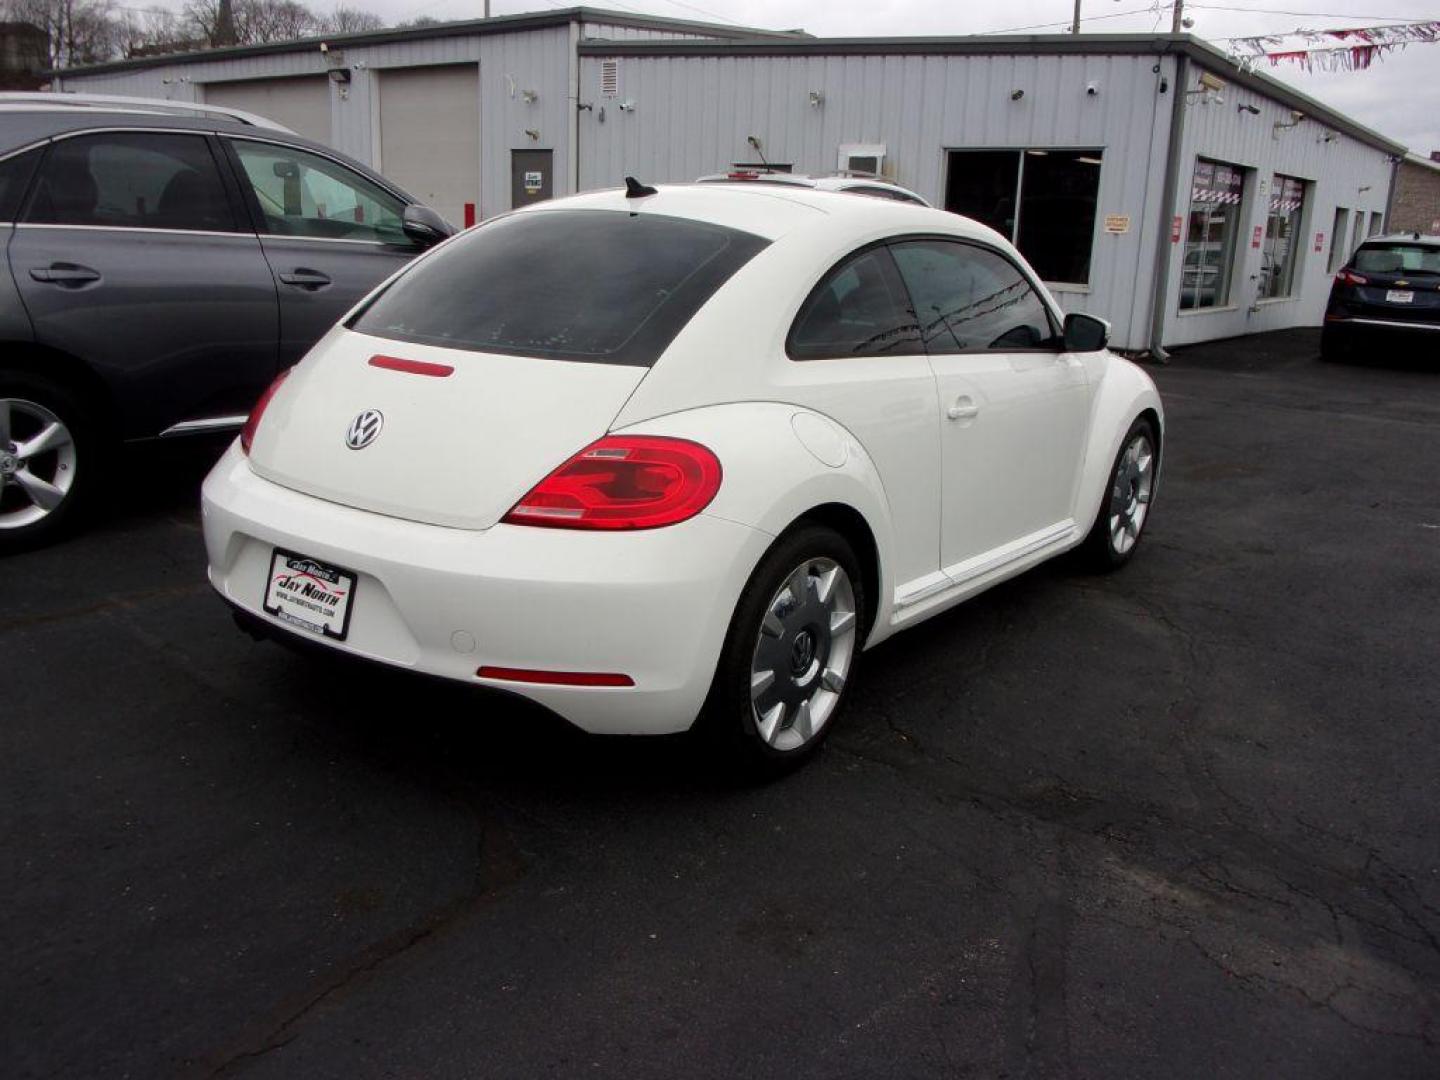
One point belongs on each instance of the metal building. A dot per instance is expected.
(473, 117)
(1148, 179)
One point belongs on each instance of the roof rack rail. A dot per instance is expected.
(120, 103)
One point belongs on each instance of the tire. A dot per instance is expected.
(48, 460)
(1125, 506)
(767, 729)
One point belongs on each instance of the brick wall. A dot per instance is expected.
(1415, 202)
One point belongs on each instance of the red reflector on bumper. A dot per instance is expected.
(556, 678)
(412, 367)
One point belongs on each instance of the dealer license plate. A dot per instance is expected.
(309, 595)
(1399, 296)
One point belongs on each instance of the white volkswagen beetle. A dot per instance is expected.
(646, 456)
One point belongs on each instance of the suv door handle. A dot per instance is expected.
(302, 278)
(963, 409)
(65, 274)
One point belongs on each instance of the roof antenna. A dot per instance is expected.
(753, 141)
(634, 189)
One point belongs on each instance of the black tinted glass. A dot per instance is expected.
(859, 309)
(968, 298)
(1057, 213)
(14, 178)
(132, 180)
(982, 185)
(592, 285)
(1398, 258)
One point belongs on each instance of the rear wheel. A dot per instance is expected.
(789, 657)
(46, 441)
(1125, 507)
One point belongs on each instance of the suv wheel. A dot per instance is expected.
(45, 442)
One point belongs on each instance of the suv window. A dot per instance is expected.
(970, 299)
(304, 194)
(858, 309)
(133, 180)
(600, 286)
(15, 173)
(1398, 258)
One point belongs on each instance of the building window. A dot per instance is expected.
(1284, 243)
(1337, 238)
(1216, 194)
(1043, 201)
(1377, 222)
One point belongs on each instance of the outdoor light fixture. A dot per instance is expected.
(1016, 95)
(626, 106)
(340, 76)
(529, 97)
(817, 98)
(1295, 117)
(1251, 109)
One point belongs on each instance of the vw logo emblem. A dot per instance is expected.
(364, 429)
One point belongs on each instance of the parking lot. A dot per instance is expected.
(1180, 821)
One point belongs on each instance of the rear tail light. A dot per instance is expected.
(555, 678)
(623, 482)
(247, 433)
(1349, 277)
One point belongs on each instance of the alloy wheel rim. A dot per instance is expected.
(37, 462)
(1130, 495)
(804, 651)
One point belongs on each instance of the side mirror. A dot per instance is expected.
(424, 226)
(1085, 333)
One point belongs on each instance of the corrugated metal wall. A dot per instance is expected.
(693, 113)
(510, 64)
(1341, 172)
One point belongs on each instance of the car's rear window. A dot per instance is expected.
(1398, 258)
(599, 286)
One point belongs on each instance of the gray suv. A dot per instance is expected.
(166, 262)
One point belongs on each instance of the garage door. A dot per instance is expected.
(430, 135)
(301, 104)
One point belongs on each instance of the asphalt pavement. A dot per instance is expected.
(1178, 821)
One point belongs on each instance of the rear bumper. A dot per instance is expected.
(1366, 333)
(652, 605)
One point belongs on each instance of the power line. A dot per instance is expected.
(1302, 14)
(1066, 22)
(704, 11)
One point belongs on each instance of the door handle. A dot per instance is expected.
(65, 274)
(964, 408)
(302, 278)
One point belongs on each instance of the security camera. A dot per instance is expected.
(1091, 89)
(1016, 95)
(1296, 115)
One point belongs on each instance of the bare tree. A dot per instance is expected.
(348, 20)
(273, 20)
(81, 31)
(149, 32)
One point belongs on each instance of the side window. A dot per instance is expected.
(304, 194)
(969, 299)
(858, 309)
(15, 173)
(132, 180)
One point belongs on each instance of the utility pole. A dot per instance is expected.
(1075, 26)
(1175, 26)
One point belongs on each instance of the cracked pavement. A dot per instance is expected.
(1179, 821)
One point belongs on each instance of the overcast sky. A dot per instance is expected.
(1399, 96)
